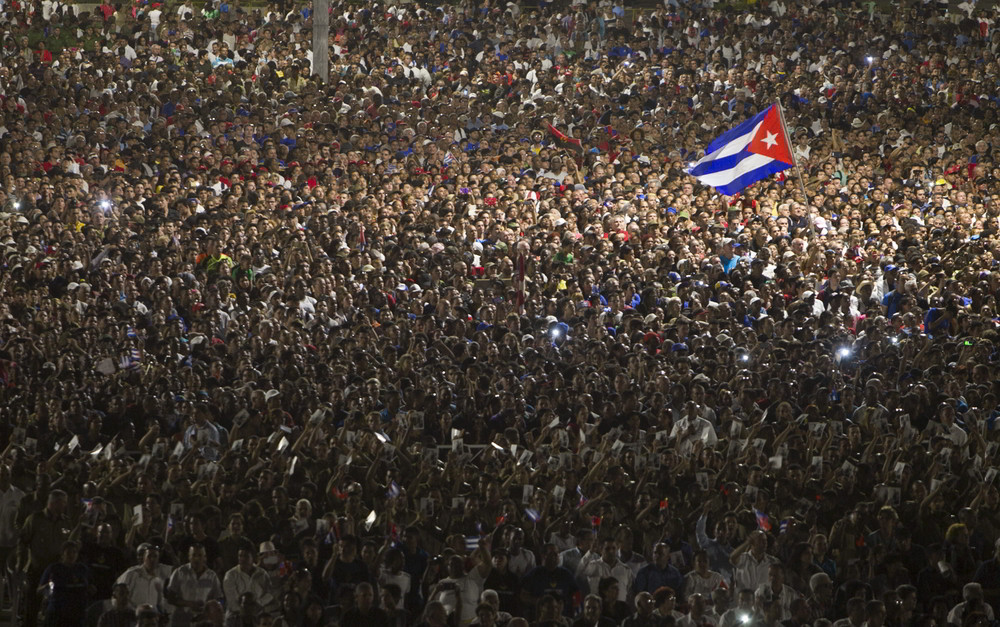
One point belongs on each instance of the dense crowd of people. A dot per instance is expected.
(453, 339)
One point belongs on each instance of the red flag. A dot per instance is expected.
(565, 141)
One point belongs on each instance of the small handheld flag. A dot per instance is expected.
(763, 520)
(746, 154)
(564, 141)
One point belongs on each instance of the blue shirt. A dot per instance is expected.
(68, 586)
(651, 578)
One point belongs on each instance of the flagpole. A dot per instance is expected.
(795, 163)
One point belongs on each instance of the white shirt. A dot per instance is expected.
(957, 613)
(237, 581)
(707, 618)
(401, 579)
(468, 589)
(188, 585)
(10, 501)
(705, 586)
(522, 563)
(785, 598)
(749, 572)
(594, 568)
(146, 588)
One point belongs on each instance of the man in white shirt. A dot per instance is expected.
(245, 577)
(10, 502)
(776, 588)
(596, 566)
(191, 586)
(459, 592)
(751, 562)
(521, 560)
(147, 581)
(973, 601)
(699, 614)
(392, 572)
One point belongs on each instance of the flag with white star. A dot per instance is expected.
(740, 157)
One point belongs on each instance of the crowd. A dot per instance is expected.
(453, 339)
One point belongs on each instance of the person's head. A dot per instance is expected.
(776, 576)
(70, 552)
(697, 604)
(592, 607)
(821, 586)
(411, 538)
(245, 556)
(644, 604)
(549, 607)
(364, 596)
(303, 509)
(767, 605)
(148, 554)
(550, 556)
(608, 588)
(492, 597)
(120, 595)
(972, 593)
(758, 542)
(661, 555)
(456, 567)
(310, 552)
(665, 599)
(875, 613)
(856, 610)
(57, 502)
(390, 595)
(515, 539)
(745, 599)
(957, 534)
(435, 614)
(701, 561)
(146, 616)
(198, 557)
(907, 594)
(105, 535)
(486, 614)
(348, 547)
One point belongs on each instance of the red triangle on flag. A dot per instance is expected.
(770, 140)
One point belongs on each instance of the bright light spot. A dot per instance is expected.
(894, 340)
(106, 205)
(744, 618)
(843, 352)
(17, 204)
(870, 60)
(744, 358)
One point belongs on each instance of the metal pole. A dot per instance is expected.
(321, 39)
(795, 162)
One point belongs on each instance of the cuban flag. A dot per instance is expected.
(763, 520)
(746, 154)
(448, 160)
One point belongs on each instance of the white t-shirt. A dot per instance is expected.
(467, 590)
(401, 579)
